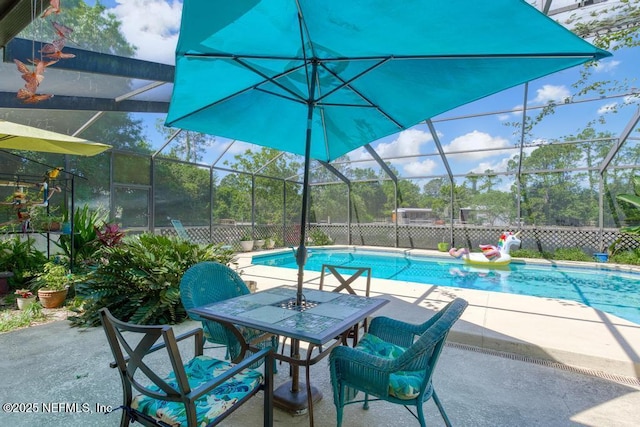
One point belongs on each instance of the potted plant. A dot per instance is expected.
(259, 243)
(246, 242)
(443, 246)
(52, 284)
(46, 220)
(271, 242)
(24, 298)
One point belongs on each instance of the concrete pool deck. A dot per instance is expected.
(553, 330)
(54, 366)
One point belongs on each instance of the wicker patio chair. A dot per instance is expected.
(345, 281)
(208, 282)
(390, 364)
(201, 392)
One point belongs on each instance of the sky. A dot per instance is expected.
(153, 26)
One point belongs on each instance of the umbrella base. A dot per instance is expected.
(295, 403)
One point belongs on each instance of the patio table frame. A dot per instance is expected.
(325, 316)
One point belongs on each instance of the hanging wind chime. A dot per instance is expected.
(49, 54)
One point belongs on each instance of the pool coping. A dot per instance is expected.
(560, 331)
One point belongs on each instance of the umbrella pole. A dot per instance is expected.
(289, 395)
(301, 254)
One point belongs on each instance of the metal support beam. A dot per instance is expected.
(445, 161)
(391, 175)
(519, 175)
(621, 140)
(78, 103)
(347, 181)
(381, 162)
(87, 61)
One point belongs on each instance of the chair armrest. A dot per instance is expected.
(197, 333)
(266, 354)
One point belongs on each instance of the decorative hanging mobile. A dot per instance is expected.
(20, 203)
(34, 75)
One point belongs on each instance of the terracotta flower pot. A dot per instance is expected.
(52, 299)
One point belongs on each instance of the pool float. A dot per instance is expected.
(491, 255)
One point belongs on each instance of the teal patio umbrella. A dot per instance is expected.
(321, 78)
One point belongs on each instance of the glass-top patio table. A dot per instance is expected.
(322, 317)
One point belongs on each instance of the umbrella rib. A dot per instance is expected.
(272, 79)
(347, 84)
(296, 97)
(303, 29)
(279, 95)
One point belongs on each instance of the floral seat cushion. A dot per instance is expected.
(200, 370)
(403, 385)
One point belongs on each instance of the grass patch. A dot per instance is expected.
(11, 319)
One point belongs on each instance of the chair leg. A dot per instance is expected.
(420, 415)
(366, 401)
(340, 404)
(124, 420)
(441, 409)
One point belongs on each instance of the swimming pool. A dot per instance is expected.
(608, 290)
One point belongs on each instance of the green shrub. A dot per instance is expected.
(528, 253)
(22, 258)
(571, 254)
(631, 257)
(139, 280)
(319, 238)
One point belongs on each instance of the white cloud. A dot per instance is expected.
(551, 93)
(473, 142)
(408, 143)
(607, 108)
(606, 66)
(152, 26)
(419, 168)
(497, 166)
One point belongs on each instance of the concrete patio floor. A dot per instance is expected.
(479, 384)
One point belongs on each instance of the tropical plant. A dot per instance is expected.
(20, 256)
(54, 277)
(23, 293)
(84, 236)
(139, 279)
(632, 207)
(109, 235)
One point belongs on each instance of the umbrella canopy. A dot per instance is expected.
(321, 78)
(20, 137)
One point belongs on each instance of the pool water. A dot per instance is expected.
(608, 290)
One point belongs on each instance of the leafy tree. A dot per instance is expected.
(235, 202)
(97, 30)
